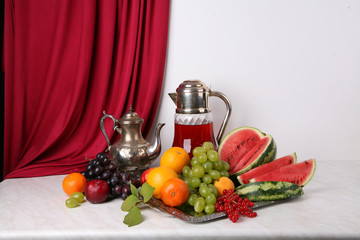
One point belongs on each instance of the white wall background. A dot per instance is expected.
(289, 68)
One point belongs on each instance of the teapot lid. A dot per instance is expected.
(131, 117)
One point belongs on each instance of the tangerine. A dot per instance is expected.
(158, 176)
(174, 192)
(223, 183)
(74, 182)
(175, 158)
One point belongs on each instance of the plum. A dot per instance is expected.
(97, 191)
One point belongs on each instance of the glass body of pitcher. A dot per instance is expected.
(192, 130)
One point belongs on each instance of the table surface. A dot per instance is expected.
(34, 208)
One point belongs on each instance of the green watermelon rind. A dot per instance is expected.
(310, 176)
(267, 156)
(269, 191)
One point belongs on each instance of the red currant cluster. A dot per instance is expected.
(234, 206)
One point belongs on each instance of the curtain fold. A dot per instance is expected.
(65, 61)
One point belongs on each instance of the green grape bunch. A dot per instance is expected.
(206, 167)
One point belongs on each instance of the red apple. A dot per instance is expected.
(97, 191)
(144, 175)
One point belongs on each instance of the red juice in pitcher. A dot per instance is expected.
(191, 136)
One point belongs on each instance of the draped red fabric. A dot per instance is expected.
(65, 61)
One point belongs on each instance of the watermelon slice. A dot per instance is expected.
(299, 173)
(268, 167)
(245, 148)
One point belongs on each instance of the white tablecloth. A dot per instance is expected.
(34, 208)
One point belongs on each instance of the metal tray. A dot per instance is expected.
(160, 206)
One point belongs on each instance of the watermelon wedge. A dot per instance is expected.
(299, 173)
(246, 148)
(268, 167)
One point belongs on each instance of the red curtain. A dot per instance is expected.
(65, 61)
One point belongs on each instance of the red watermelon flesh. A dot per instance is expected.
(251, 152)
(299, 173)
(245, 148)
(267, 167)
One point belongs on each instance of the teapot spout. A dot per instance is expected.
(155, 149)
(173, 96)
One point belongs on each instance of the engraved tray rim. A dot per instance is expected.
(160, 206)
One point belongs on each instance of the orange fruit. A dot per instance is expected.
(174, 192)
(158, 176)
(223, 183)
(175, 158)
(74, 182)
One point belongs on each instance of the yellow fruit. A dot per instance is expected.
(175, 158)
(158, 176)
(223, 183)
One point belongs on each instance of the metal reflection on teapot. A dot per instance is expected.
(131, 153)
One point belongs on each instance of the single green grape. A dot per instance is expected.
(208, 166)
(79, 196)
(213, 155)
(213, 189)
(71, 202)
(191, 174)
(194, 182)
(209, 208)
(214, 174)
(195, 162)
(207, 179)
(208, 146)
(202, 157)
(199, 204)
(225, 165)
(198, 171)
(211, 198)
(203, 184)
(224, 173)
(197, 151)
(191, 199)
(217, 165)
(204, 191)
(186, 170)
(187, 180)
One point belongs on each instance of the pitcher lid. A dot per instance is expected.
(192, 97)
(192, 86)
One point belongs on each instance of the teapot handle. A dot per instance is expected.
(103, 128)
(227, 114)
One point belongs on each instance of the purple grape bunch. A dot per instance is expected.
(102, 167)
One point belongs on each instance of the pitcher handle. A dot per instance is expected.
(227, 114)
(103, 128)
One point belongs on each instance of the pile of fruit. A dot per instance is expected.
(100, 181)
(200, 180)
(244, 170)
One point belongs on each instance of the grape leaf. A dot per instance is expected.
(134, 191)
(133, 217)
(146, 191)
(129, 203)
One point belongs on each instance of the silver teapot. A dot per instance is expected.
(131, 153)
